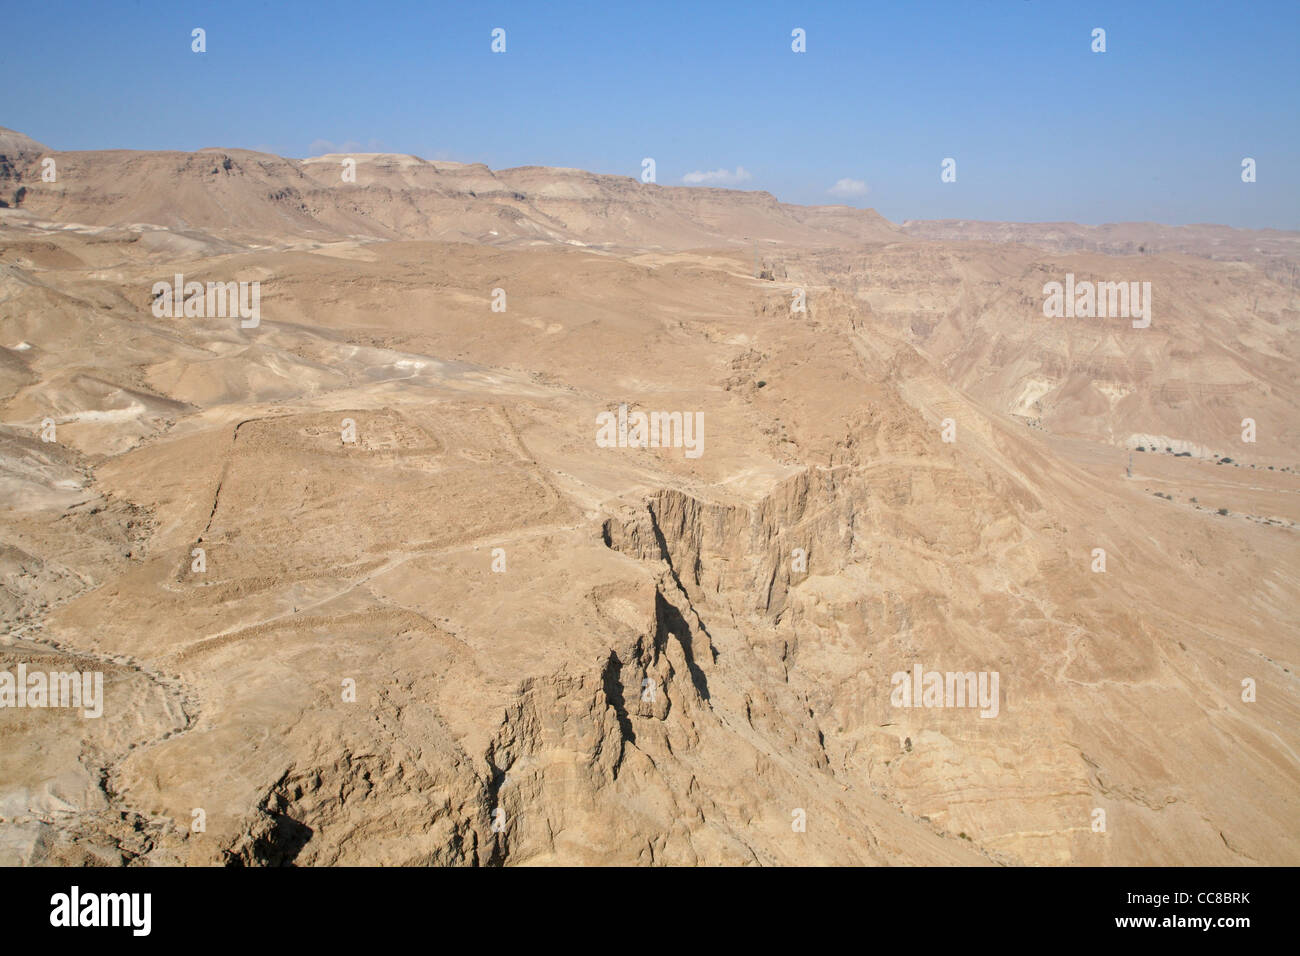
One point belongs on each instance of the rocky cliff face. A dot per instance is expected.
(436, 621)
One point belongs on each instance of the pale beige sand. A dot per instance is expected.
(521, 690)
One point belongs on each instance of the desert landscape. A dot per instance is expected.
(382, 563)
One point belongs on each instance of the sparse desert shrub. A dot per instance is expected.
(1223, 511)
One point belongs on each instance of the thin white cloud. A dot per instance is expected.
(848, 187)
(717, 177)
(320, 147)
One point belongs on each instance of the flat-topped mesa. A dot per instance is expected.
(256, 195)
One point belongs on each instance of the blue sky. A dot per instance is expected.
(1041, 127)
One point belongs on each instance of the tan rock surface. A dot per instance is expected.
(643, 673)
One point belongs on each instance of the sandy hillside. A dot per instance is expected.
(438, 621)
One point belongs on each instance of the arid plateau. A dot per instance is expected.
(366, 584)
